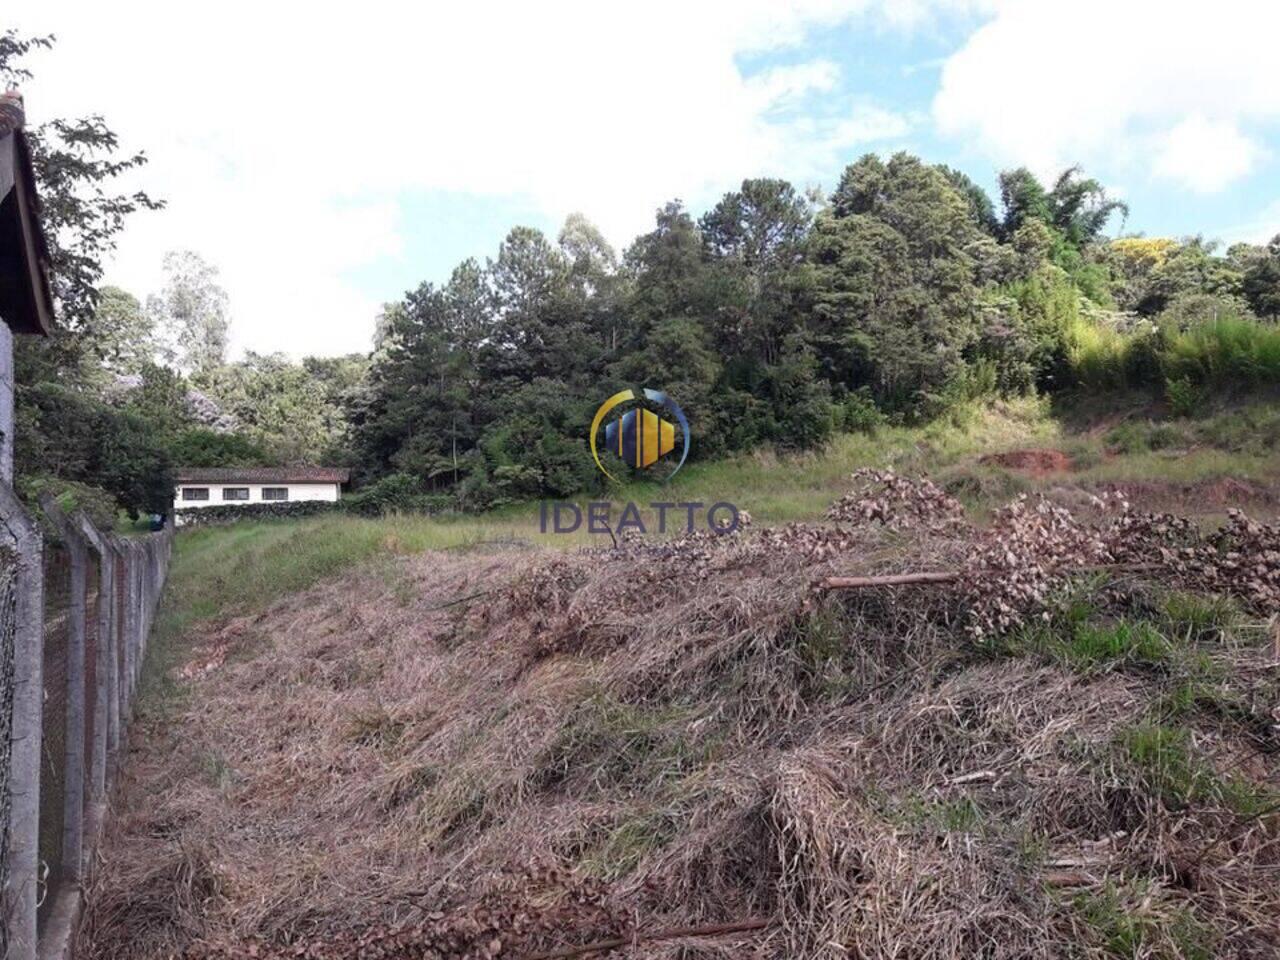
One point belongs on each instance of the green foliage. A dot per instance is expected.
(394, 493)
(1260, 283)
(1130, 923)
(895, 290)
(1183, 396)
(1228, 353)
(1078, 640)
(223, 513)
(68, 434)
(858, 413)
(1195, 618)
(201, 447)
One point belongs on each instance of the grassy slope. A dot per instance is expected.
(246, 566)
(229, 571)
(1172, 696)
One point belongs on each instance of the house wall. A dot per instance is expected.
(297, 491)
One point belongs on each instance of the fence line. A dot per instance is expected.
(76, 611)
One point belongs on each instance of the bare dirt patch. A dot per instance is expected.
(1036, 463)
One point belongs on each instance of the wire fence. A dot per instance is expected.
(76, 608)
(8, 586)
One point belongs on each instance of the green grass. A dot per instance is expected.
(1131, 921)
(1164, 761)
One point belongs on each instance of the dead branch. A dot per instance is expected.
(674, 933)
(951, 576)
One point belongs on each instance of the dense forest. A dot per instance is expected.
(777, 317)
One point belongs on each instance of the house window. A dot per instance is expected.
(235, 493)
(275, 493)
(195, 493)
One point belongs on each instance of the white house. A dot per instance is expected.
(221, 486)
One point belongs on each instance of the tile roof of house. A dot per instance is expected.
(263, 474)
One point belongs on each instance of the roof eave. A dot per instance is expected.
(26, 297)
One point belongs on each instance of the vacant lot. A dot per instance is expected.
(404, 739)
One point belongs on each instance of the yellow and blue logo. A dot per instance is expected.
(640, 437)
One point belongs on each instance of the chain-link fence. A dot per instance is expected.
(76, 607)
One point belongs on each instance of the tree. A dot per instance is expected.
(122, 336)
(1077, 207)
(191, 313)
(202, 447)
(981, 210)
(1261, 281)
(895, 293)
(763, 224)
(65, 430)
(280, 405)
(75, 163)
(755, 237)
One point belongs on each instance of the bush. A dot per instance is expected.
(1183, 396)
(233, 512)
(97, 504)
(858, 413)
(397, 492)
(1227, 352)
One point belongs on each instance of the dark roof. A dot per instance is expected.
(263, 475)
(26, 300)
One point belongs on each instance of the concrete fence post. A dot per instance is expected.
(102, 671)
(23, 854)
(129, 630)
(74, 752)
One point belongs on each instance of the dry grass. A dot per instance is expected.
(696, 729)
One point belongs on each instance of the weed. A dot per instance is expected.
(1078, 642)
(936, 815)
(1197, 617)
(611, 743)
(1165, 436)
(1182, 396)
(1132, 921)
(1164, 760)
(629, 842)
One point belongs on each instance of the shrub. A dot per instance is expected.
(1183, 396)
(233, 512)
(392, 493)
(1227, 352)
(858, 413)
(96, 504)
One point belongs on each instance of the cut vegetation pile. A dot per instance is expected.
(1068, 750)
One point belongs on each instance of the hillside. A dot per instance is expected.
(388, 738)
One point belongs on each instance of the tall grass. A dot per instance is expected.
(1101, 357)
(1229, 352)
(1226, 352)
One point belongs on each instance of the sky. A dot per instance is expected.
(328, 158)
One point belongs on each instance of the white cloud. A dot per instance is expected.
(782, 85)
(286, 135)
(1260, 229)
(1205, 155)
(1168, 88)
